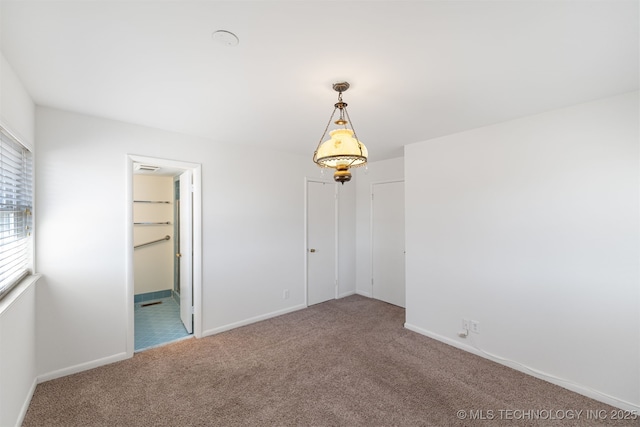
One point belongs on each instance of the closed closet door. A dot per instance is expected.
(387, 234)
(321, 242)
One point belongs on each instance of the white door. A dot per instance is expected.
(387, 242)
(186, 250)
(321, 242)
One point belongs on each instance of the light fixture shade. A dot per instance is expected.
(341, 149)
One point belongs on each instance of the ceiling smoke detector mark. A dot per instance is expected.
(146, 168)
(225, 37)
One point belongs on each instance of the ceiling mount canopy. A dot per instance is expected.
(342, 150)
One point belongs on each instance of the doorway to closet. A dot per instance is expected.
(165, 269)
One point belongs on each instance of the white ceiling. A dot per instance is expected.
(418, 69)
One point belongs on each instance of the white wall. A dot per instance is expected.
(347, 237)
(17, 110)
(380, 171)
(17, 353)
(531, 228)
(253, 233)
(153, 264)
(17, 309)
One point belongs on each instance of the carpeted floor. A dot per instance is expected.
(346, 362)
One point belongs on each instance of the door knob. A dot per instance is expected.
(179, 255)
(312, 250)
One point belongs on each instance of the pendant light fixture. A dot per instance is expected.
(342, 150)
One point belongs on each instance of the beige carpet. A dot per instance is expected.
(347, 362)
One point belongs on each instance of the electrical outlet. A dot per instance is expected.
(475, 326)
(285, 294)
(465, 324)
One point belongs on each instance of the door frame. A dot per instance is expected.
(391, 181)
(196, 170)
(306, 236)
(185, 248)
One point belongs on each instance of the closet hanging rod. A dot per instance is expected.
(167, 237)
(152, 223)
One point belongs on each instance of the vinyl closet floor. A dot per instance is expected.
(157, 324)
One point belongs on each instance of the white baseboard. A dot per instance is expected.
(82, 367)
(577, 388)
(363, 293)
(251, 320)
(346, 294)
(25, 405)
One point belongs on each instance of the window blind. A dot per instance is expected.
(16, 196)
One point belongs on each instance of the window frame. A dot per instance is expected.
(21, 184)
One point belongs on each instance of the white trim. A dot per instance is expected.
(17, 136)
(371, 240)
(577, 388)
(197, 250)
(18, 290)
(128, 260)
(251, 320)
(82, 367)
(196, 170)
(306, 241)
